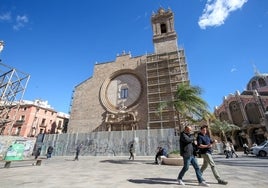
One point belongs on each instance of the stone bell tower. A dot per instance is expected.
(164, 35)
(166, 69)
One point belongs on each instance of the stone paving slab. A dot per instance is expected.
(119, 172)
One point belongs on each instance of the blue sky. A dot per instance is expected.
(58, 42)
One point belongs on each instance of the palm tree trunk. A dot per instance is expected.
(179, 121)
(224, 135)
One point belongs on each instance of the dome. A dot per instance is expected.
(258, 82)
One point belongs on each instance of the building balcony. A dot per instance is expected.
(59, 127)
(43, 125)
(19, 122)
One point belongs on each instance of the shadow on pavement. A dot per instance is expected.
(164, 181)
(70, 160)
(126, 161)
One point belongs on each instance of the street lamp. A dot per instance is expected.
(1, 45)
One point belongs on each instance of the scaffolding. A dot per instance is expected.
(164, 73)
(13, 84)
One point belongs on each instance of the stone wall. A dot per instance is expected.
(114, 143)
(88, 113)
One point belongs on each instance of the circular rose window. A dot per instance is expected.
(121, 91)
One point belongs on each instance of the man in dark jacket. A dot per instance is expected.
(161, 152)
(37, 153)
(49, 152)
(186, 151)
(131, 151)
(78, 149)
(204, 142)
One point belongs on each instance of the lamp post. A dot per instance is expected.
(1, 47)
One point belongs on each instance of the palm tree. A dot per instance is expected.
(222, 127)
(188, 104)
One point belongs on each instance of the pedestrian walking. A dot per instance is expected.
(49, 152)
(227, 150)
(77, 152)
(186, 151)
(37, 153)
(233, 150)
(205, 144)
(131, 151)
(246, 149)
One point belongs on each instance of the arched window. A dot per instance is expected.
(163, 28)
(253, 113)
(236, 113)
(224, 116)
(261, 82)
(253, 85)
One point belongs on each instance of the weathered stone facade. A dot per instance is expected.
(124, 94)
(247, 110)
(88, 111)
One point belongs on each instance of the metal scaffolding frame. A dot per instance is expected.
(164, 73)
(13, 84)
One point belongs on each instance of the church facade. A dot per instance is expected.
(125, 94)
(248, 110)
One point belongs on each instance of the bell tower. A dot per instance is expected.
(166, 68)
(164, 35)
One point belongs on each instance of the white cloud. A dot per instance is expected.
(217, 11)
(22, 19)
(20, 22)
(233, 69)
(5, 16)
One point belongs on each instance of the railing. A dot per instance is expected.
(43, 125)
(19, 122)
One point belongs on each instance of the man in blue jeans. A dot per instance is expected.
(204, 143)
(186, 151)
(49, 152)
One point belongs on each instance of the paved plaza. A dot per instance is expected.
(119, 172)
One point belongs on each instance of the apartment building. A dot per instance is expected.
(30, 118)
